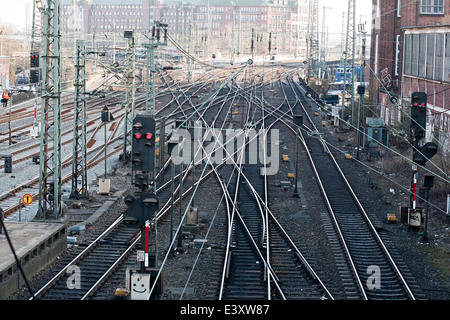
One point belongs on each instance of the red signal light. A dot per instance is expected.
(138, 135)
(148, 136)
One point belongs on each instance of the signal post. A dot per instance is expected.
(422, 152)
(143, 208)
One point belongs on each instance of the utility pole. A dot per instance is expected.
(188, 58)
(232, 47)
(129, 90)
(79, 166)
(36, 27)
(206, 48)
(155, 41)
(50, 155)
(36, 49)
(270, 54)
(323, 43)
(150, 86)
(361, 88)
(349, 55)
(312, 39)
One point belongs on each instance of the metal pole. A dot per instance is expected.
(349, 56)
(1, 220)
(10, 139)
(296, 169)
(425, 231)
(129, 95)
(143, 246)
(50, 156)
(106, 153)
(79, 167)
(357, 127)
(171, 205)
(181, 198)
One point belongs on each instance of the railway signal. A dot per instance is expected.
(418, 116)
(424, 153)
(140, 210)
(421, 153)
(8, 164)
(143, 144)
(34, 60)
(35, 75)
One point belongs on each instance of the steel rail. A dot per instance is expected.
(77, 258)
(301, 257)
(362, 210)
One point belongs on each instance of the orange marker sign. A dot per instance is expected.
(27, 198)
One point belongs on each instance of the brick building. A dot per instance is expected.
(99, 16)
(231, 24)
(410, 52)
(228, 23)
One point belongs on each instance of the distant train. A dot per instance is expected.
(339, 74)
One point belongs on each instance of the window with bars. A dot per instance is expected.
(432, 6)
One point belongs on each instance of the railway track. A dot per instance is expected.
(100, 259)
(262, 259)
(82, 275)
(375, 271)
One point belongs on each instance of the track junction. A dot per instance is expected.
(278, 219)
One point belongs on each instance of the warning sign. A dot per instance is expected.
(27, 198)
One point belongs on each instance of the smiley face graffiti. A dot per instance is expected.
(140, 286)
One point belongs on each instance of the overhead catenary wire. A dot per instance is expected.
(408, 116)
(392, 150)
(190, 201)
(416, 123)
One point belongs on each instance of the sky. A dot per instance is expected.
(13, 11)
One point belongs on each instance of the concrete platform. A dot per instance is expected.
(36, 244)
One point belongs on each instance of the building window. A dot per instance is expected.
(432, 6)
(439, 62)
(430, 55)
(422, 57)
(397, 52)
(427, 55)
(415, 55)
(447, 58)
